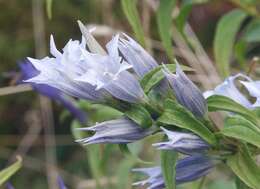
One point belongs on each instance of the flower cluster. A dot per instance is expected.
(118, 77)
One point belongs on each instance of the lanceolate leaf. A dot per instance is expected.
(251, 33)
(240, 184)
(140, 115)
(226, 31)
(126, 151)
(222, 103)
(245, 168)
(242, 133)
(178, 116)
(153, 78)
(168, 164)
(164, 22)
(6, 173)
(183, 15)
(130, 10)
(241, 121)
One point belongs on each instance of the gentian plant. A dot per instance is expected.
(158, 99)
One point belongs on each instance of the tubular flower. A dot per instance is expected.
(109, 72)
(116, 131)
(28, 71)
(187, 169)
(60, 71)
(229, 89)
(187, 94)
(135, 55)
(186, 143)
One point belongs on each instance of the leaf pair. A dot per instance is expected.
(243, 165)
(178, 116)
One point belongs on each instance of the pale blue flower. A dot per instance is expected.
(109, 72)
(186, 92)
(253, 88)
(61, 70)
(135, 55)
(186, 143)
(28, 71)
(116, 131)
(187, 169)
(229, 89)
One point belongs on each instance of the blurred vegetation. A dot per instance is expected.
(18, 110)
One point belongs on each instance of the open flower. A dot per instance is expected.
(28, 71)
(186, 143)
(135, 55)
(187, 169)
(230, 90)
(60, 71)
(109, 72)
(187, 94)
(116, 131)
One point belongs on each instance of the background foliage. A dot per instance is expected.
(228, 31)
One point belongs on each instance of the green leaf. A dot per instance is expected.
(183, 15)
(241, 121)
(251, 33)
(140, 115)
(240, 184)
(178, 116)
(245, 167)
(123, 172)
(130, 10)
(222, 103)
(242, 133)
(153, 78)
(126, 151)
(240, 53)
(164, 22)
(168, 164)
(49, 8)
(224, 39)
(6, 173)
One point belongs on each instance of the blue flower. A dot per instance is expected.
(28, 71)
(109, 72)
(135, 55)
(187, 169)
(61, 70)
(187, 94)
(94, 75)
(229, 89)
(186, 143)
(117, 131)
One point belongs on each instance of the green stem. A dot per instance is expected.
(201, 183)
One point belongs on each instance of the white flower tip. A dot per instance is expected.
(53, 49)
(165, 130)
(81, 25)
